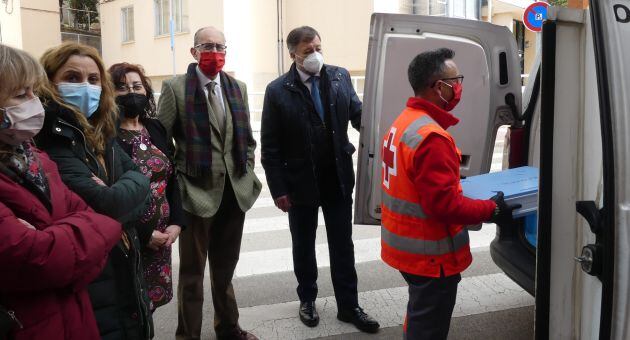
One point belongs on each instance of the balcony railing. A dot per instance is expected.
(80, 20)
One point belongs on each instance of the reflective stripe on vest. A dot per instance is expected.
(402, 207)
(410, 135)
(425, 247)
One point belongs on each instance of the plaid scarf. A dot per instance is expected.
(198, 152)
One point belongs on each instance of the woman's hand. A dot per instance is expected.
(158, 239)
(173, 232)
(98, 181)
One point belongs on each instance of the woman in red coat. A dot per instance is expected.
(52, 244)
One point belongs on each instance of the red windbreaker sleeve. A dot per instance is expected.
(436, 178)
(71, 252)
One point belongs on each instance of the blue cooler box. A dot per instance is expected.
(519, 185)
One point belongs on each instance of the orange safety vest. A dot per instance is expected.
(411, 241)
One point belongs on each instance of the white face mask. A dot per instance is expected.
(25, 121)
(313, 62)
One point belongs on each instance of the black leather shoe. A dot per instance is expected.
(360, 319)
(308, 313)
(237, 334)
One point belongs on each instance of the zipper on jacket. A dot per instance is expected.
(87, 150)
(143, 308)
(111, 174)
(143, 304)
(15, 319)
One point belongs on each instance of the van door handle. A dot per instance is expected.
(590, 259)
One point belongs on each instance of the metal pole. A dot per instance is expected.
(490, 7)
(280, 39)
(172, 31)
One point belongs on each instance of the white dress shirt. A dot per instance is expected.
(305, 77)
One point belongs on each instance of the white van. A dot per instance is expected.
(572, 122)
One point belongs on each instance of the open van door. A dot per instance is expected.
(486, 55)
(583, 259)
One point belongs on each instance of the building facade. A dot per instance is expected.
(138, 31)
(31, 25)
(509, 13)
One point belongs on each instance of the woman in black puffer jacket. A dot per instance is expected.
(79, 135)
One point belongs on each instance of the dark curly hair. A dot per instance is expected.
(118, 73)
(428, 67)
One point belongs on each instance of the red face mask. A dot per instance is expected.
(457, 96)
(211, 63)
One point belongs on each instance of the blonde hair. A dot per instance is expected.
(18, 69)
(103, 124)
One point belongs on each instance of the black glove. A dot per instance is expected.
(503, 212)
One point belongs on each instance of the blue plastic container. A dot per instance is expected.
(531, 229)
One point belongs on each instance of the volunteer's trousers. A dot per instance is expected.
(430, 307)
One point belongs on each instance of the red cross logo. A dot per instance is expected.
(389, 157)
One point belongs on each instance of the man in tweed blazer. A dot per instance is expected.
(207, 114)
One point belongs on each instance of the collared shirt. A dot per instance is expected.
(203, 81)
(305, 77)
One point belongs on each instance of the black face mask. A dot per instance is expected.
(132, 105)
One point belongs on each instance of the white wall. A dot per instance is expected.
(11, 24)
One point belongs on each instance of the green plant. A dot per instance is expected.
(85, 5)
(558, 2)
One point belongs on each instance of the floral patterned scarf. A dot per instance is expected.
(25, 163)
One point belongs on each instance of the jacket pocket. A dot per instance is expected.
(297, 172)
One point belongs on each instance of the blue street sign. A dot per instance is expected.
(534, 16)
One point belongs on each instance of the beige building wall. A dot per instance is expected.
(150, 51)
(32, 25)
(254, 52)
(256, 39)
(504, 14)
(344, 27)
(530, 49)
(40, 25)
(504, 19)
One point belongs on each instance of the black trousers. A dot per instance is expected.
(337, 211)
(430, 307)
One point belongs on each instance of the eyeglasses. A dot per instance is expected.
(458, 79)
(207, 47)
(136, 87)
